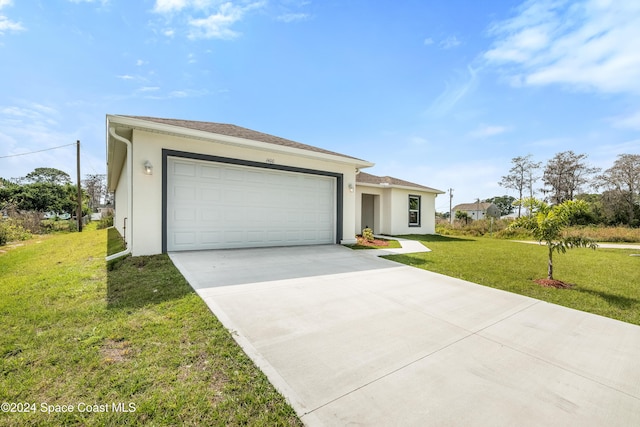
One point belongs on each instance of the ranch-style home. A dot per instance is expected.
(187, 185)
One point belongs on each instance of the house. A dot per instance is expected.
(188, 185)
(393, 206)
(478, 210)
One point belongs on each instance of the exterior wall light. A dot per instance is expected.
(351, 188)
(148, 168)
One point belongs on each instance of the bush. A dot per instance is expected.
(475, 228)
(11, 231)
(367, 234)
(105, 222)
(606, 234)
(516, 233)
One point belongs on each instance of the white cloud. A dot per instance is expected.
(293, 17)
(486, 131)
(205, 24)
(586, 45)
(141, 62)
(166, 6)
(428, 41)
(126, 77)
(218, 25)
(34, 112)
(449, 42)
(149, 89)
(627, 122)
(5, 23)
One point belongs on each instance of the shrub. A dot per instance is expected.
(606, 234)
(11, 231)
(514, 233)
(105, 222)
(29, 220)
(367, 234)
(475, 228)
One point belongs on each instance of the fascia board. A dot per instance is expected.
(402, 187)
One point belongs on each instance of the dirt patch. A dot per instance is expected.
(114, 351)
(374, 242)
(551, 283)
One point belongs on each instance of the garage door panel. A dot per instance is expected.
(185, 238)
(184, 169)
(217, 205)
(184, 194)
(209, 172)
(211, 237)
(210, 194)
(185, 215)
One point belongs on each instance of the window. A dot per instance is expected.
(414, 211)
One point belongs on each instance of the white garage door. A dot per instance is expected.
(219, 205)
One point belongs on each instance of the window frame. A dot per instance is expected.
(417, 211)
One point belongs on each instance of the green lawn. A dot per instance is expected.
(135, 337)
(607, 281)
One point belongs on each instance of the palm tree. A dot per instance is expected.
(547, 223)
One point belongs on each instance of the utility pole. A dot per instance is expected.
(450, 211)
(79, 208)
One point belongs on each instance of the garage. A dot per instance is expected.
(232, 204)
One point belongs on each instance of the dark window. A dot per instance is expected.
(414, 211)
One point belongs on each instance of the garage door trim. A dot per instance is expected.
(206, 157)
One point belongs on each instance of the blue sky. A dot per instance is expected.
(443, 93)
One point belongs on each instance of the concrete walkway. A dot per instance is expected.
(350, 338)
(407, 247)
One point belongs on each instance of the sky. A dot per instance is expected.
(443, 93)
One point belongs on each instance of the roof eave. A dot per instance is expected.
(232, 140)
(403, 187)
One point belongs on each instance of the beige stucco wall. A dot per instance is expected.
(147, 189)
(382, 217)
(392, 217)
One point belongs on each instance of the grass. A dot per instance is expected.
(75, 333)
(606, 281)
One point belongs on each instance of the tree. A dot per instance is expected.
(565, 174)
(462, 216)
(95, 186)
(504, 203)
(547, 224)
(622, 182)
(521, 177)
(48, 175)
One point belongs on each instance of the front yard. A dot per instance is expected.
(606, 281)
(135, 345)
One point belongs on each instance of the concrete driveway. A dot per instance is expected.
(352, 339)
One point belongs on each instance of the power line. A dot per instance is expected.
(38, 151)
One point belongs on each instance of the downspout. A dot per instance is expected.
(128, 232)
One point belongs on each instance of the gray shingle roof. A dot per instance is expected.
(238, 132)
(483, 206)
(367, 178)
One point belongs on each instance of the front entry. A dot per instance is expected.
(368, 212)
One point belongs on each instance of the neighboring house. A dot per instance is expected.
(478, 210)
(188, 185)
(393, 206)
